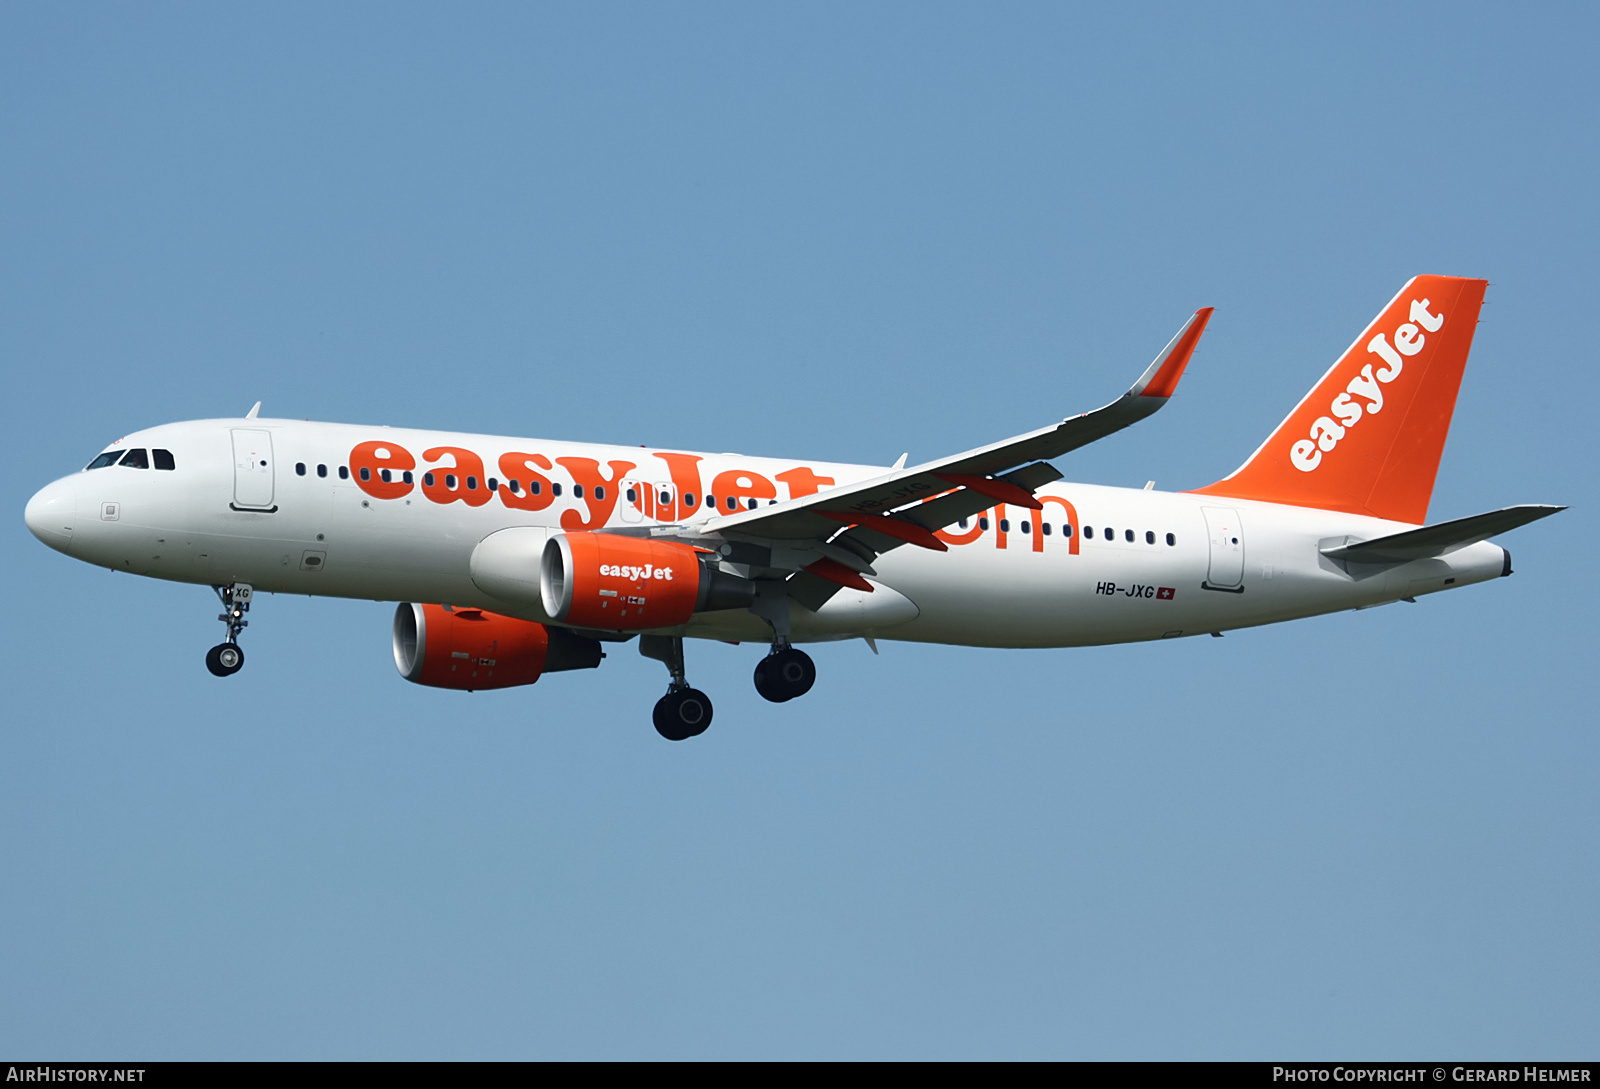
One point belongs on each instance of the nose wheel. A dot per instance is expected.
(785, 674)
(227, 658)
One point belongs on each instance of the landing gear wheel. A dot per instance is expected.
(785, 674)
(682, 714)
(225, 659)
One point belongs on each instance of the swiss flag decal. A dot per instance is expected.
(1164, 593)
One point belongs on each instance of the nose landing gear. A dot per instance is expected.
(683, 712)
(227, 658)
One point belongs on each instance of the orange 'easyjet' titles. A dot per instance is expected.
(599, 492)
(462, 479)
(803, 481)
(685, 470)
(1368, 438)
(629, 583)
(534, 490)
(370, 460)
(741, 486)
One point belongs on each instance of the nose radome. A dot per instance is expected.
(51, 513)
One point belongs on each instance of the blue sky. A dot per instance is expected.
(833, 231)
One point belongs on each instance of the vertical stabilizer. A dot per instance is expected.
(1368, 438)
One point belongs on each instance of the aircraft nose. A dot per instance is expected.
(52, 512)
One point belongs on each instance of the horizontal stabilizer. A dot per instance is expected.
(1446, 537)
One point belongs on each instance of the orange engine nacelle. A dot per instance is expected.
(467, 648)
(615, 583)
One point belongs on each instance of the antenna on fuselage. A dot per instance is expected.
(253, 410)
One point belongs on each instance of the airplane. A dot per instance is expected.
(512, 558)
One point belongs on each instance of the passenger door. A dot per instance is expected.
(1226, 570)
(252, 470)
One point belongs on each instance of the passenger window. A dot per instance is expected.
(1066, 529)
(299, 468)
(385, 476)
(1109, 534)
(366, 473)
(962, 523)
(1149, 536)
(494, 485)
(1171, 540)
(108, 458)
(664, 498)
(515, 486)
(577, 491)
(633, 495)
(1005, 525)
(472, 483)
(1044, 527)
(427, 480)
(1088, 532)
(450, 481)
(1127, 535)
(322, 470)
(344, 472)
(535, 488)
(555, 489)
(1027, 527)
(753, 504)
(406, 476)
(164, 459)
(983, 524)
(733, 504)
(600, 493)
(135, 459)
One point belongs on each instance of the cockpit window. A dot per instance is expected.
(135, 459)
(108, 458)
(164, 459)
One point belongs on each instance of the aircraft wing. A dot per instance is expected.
(1005, 472)
(853, 524)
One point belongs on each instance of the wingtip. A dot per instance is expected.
(1177, 355)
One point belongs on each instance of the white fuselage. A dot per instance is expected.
(245, 502)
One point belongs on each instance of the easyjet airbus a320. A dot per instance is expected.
(518, 557)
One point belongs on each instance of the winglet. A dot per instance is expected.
(253, 410)
(1161, 378)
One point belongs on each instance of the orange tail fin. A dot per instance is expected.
(1368, 438)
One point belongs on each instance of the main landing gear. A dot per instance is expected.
(785, 674)
(227, 658)
(683, 712)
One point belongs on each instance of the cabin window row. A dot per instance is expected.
(534, 487)
(690, 501)
(1067, 530)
